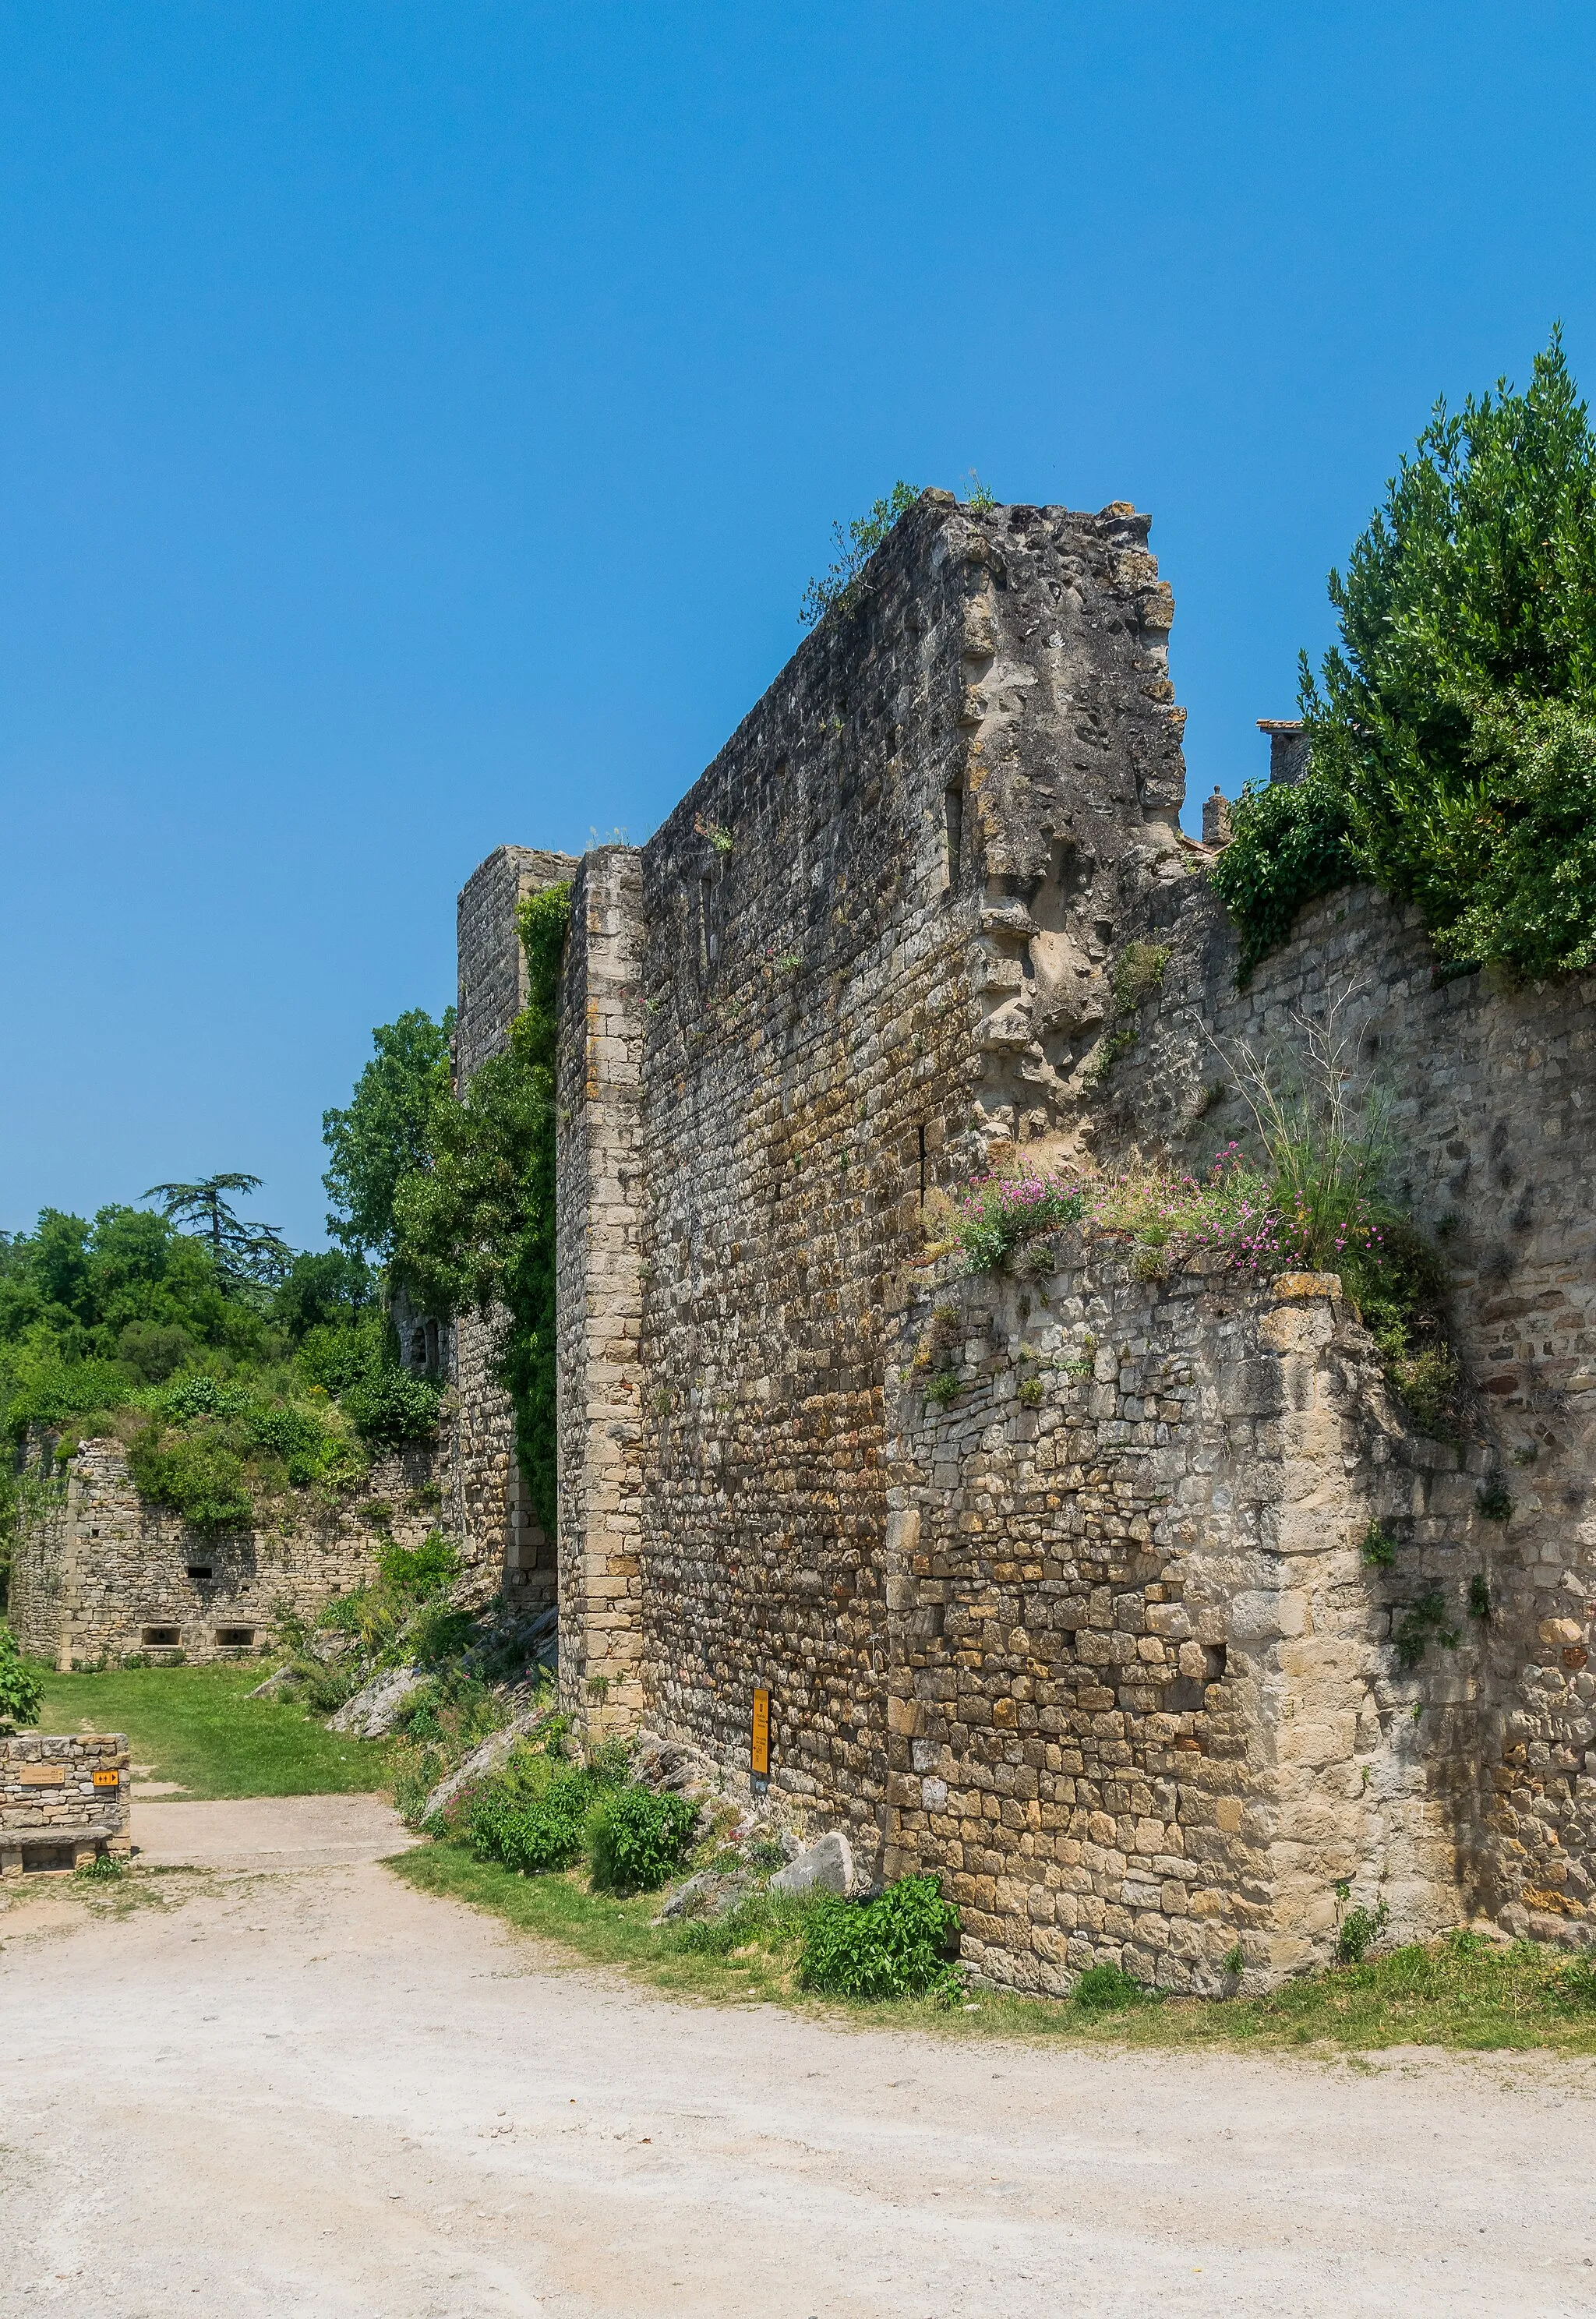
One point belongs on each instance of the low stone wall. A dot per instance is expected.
(63, 1800)
(1146, 1707)
(103, 1575)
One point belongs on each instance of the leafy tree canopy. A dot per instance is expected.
(382, 1137)
(246, 1255)
(1453, 728)
(475, 1225)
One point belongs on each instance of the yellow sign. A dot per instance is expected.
(108, 1779)
(760, 1753)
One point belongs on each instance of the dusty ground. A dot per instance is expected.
(291, 2083)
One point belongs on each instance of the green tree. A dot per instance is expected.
(1453, 728)
(382, 1137)
(855, 544)
(245, 1254)
(476, 1226)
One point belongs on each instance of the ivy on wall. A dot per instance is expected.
(474, 1227)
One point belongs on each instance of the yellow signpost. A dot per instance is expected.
(760, 1750)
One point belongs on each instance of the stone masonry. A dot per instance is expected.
(63, 1800)
(104, 1575)
(1086, 1631)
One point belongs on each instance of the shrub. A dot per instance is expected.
(1107, 1989)
(532, 1820)
(391, 1406)
(422, 1570)
(201, 1396)
(1378, 1548)
(22, 1690)
(199, 1476)
(1453, 728)
(1288, 842)
(1358, 1930)
(897, 1945)
(636, 1838)
(1495, 1499)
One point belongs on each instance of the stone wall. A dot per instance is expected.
(64, 1800)
(1106, 1656)
(503, 1541)
(1144, 1705)
(832, 1021)
(104, 1575)
(1491, 1096)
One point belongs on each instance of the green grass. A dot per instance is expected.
(1480, 1998)
(195, 1725)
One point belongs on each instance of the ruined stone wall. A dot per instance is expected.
(502, 1543)
(64, 1800)
(1145, 1710)
(836, 1022)
(103, 1575)
(1491, 1093)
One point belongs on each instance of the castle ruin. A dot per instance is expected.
(1104, 1657)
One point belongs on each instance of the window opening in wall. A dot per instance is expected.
(160, 1638)
(920, 1132)
(235, 1638)
(707, 945)
(199, 1570)
(952, 835)
(1213, 1655)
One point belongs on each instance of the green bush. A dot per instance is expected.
(533, 1823)
(420, 1571)
(999, 1213)
(22, 1690)
(1108, 1989)
(390, 1407)
(636, 1838)
(200, 1476)
(1287, 844)
(896, 1945)
(1452, 730)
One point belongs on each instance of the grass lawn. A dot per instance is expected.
(195, 1725)
(1460, 1992)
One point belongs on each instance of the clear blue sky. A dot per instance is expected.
(419, 423)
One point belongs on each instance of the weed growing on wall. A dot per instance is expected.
(843, 583)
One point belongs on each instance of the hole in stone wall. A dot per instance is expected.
(920, 1132)
(235, 1638)
(1213, 1655)
(160, 1638)
(199, 1570)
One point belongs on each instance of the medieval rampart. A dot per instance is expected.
(1105, 1655)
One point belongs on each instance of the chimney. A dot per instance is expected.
(1216, 819)
(1288, 749)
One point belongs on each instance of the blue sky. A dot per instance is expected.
(419, 424)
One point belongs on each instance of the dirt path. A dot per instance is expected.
(282, 2088)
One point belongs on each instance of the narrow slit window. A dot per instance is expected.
(952, 835)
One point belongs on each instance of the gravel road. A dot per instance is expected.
(290, 2084)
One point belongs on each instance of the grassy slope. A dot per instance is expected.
(1490, 2000)
(194, 1725)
